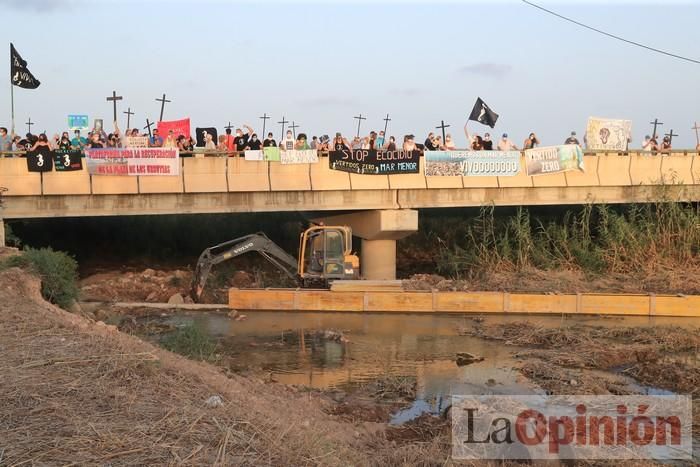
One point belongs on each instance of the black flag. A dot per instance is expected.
(19, 73)
(201, 139)
(40, 160)
(483, 114)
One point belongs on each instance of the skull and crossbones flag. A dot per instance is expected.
(19, 73)
(483, 114)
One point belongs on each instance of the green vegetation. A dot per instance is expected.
(595, 239)
(190, 341)
(57, 270)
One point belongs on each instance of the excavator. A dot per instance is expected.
(325, 255)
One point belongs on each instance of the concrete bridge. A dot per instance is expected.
(386, 203)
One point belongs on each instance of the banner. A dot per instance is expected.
(254, 155)
(78, 122)
(66, 160)
(303, 156)
(19, 73)
(201, 135)
(133, 161)
(554, 159)
(136, 141)
(605, 133)
(272, 154)
(472, 163)
(373, 162)
(40, 160)
(179, 127)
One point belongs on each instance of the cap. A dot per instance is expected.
(573, 133)
(337, 135)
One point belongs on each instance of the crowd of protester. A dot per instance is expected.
(246, 138)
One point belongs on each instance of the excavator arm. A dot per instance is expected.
(236, 247)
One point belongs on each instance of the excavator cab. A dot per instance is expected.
(325, 254)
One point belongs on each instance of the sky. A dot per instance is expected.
(320, 64)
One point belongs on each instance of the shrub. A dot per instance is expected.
(57, 270)
(190, 341)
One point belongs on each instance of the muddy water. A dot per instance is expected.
(284, 347)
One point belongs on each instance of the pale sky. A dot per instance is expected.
(320, 64)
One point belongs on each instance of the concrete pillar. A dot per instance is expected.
(379, 231)
(378, 259)
(2, 232)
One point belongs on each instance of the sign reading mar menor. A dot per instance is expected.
(133, 161)
(373, 162)
(472, 163)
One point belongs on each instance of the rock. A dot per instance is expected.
(233, 313)
(573, 382)
(189, 300)
(306, 423)
(151, 297)
(148, 273)
(339, 396)
(176, 299)
(101, 315)
(490, 382)
(466, 358)
(214, 401)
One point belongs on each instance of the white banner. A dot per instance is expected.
(136, 141)
(254, 155)
(306, 156)
(133, 161)
(606, 133)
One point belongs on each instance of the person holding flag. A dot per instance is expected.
(483, 114)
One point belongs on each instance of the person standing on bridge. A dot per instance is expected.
(531, 142)
(505, 144)
(269, 142)
(241, 139)
(572, 139)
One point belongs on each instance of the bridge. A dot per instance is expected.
(383, 206)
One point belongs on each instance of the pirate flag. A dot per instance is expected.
(201, 135)
(40, 160)
(483, 114)
(66, 160)
(19, 73)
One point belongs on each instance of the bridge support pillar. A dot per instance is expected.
(2, 232)
(379, 231)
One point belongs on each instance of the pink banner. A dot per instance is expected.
(179, 127)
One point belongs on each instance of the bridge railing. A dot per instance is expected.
(235, 174)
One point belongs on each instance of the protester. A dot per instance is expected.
(170, 141)
(241, 139)
(356, 143)
(572, 139)
(505, 144)
(649, 145)
(254, 144)
(487, 143)
(230, 145)
(430, 142)
(314, 142)
(477, 143)
(5, 140)
(531, 142)
(155, 141)
(666, 146)
(324, 143)
(409, 143)
(209, 144)
(288, 143)
(437, 141)
(43, 141)
(380, 140)
(222, 144)
(64, 143)
(269, 142)
(78, 142)
(95, 142)
(449, 143)
(301, 143)
(392, 144)
(340, 143)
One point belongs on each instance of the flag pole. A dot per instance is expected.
(12, 94)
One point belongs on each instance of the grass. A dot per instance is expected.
(190, 341)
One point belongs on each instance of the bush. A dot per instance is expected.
(57, 270)
(190, 341)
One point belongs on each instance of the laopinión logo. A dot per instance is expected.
(572, 427)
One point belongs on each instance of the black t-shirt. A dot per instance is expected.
(340, 147)
(24, 144)
(429, 146)
(254, 145)
(269, 143)
(241, 142)
(487, 145)
(571, 140)
(95, 146)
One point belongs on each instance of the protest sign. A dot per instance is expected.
(373, 162)
(472, 163)
(254, 155)
(78, 122)
(302, 156)
(66, 160)
(40, 160)
(605, 133)
(272, 154)
(136, 141)
(179, 127)
(133, 161)
(554, 159)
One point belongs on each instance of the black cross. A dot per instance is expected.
(149, 125)
(128, 113)
(359, 122)
(229, 126)
(264, 118)
(697, 136)
(442, 126)
(29, 125)
(294, 127)
(656, 123)
(386, 124)
(283, 122)
(114, 100)
(162, 101)
(670, 136)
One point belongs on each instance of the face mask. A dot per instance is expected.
(255, 138)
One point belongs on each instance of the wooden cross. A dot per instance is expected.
(697, 136)
(386, 124)
(656, 123)
(29, 125)
(359, 122)
(294, 127)
(283, 122)
(670, 136)
(229, 126)
(442, 126)
(264, 118)
(128, 113)
(114, 100)
(149, 124)
(162, 101)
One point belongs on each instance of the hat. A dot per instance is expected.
(505, 135)
(647, 137)
(338, 135)
(573, 133)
